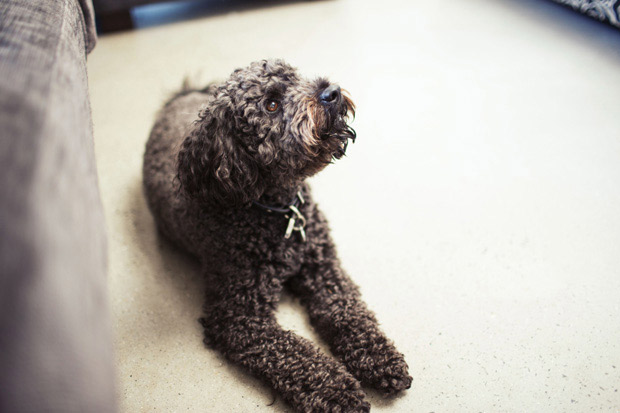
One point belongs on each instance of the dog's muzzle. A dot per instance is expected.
(336, 109)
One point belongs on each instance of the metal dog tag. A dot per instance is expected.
(302, 233)
(289, 228)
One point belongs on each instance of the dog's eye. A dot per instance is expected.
(272, 106)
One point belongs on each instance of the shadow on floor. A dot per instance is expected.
(171, 12)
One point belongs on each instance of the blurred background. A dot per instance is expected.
(477, 211)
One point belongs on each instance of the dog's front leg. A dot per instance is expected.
(343, 320)
(239, 321)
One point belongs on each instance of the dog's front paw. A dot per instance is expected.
(345, 402)
(380, 367)
(391, 378)
(335, 391)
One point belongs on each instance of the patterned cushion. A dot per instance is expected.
(605, 10)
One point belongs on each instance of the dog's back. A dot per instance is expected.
(161, 185)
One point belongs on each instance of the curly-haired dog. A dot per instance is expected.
(224, 174)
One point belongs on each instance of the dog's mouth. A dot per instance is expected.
(337, 133)
(337, 140)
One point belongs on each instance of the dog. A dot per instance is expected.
(224, 176)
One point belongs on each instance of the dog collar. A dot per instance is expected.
(296, 221)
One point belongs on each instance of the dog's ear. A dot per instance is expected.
(213, 165)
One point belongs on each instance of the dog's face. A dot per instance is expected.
(293, 125)
(266, 126)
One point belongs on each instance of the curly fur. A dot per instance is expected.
(211, 153)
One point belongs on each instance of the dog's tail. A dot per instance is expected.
(188, 87)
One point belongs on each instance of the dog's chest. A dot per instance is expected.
(254, 240)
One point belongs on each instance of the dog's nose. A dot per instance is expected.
(330, 95)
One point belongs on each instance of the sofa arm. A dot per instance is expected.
(55, 344)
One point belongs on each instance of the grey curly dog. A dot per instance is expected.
(224, 172)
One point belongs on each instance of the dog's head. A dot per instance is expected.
(264, 127)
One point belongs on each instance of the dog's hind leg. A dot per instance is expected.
(239, 321)
(343, 320)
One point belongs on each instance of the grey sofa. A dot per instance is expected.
(55, 346)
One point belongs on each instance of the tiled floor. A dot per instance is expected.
(478, 210)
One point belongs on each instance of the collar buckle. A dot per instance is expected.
(296, 222)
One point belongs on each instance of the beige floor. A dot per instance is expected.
(479, 210)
